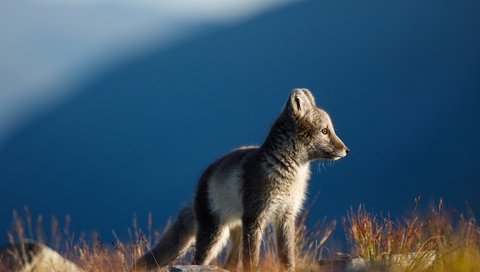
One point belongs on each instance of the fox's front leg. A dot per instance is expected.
(252, 237)
(285, 229)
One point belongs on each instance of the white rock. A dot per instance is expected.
(34, 257)
(420, 260)
(196, 268)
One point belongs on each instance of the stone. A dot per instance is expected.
(34, 257)
(196, 268)
(422, 260)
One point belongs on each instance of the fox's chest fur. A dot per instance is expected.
(277, 190)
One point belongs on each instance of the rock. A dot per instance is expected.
(34, 257)
(196, 268)
(420, 260)
(357, 265)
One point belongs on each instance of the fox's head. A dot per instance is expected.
(313, 127)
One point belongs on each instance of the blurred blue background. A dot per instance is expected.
(109, 109)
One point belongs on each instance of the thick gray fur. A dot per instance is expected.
(245, 190)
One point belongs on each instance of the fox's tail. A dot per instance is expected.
(173, 243)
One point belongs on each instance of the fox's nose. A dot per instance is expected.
(347, 150)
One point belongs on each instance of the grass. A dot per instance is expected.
(430, 240)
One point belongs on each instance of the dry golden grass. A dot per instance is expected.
(385, 244)
(435, 236)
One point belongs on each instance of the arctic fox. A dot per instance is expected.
(245, 190)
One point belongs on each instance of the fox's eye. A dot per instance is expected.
(324, 131)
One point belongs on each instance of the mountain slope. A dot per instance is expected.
(400, 79)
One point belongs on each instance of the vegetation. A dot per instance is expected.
(430, 240)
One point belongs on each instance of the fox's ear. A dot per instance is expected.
(310, 96)
(301, 102)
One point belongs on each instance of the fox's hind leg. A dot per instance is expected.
(211, 238)
(233, 256)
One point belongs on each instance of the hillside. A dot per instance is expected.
(400, 79)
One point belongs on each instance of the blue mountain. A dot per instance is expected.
(401, 80)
